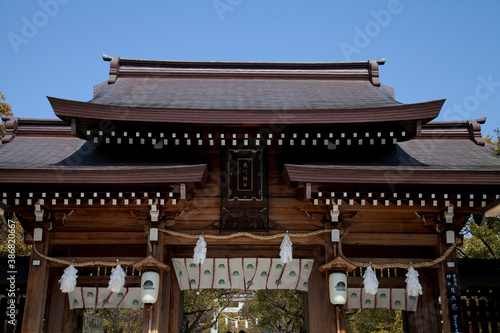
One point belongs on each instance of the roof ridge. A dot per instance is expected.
(130, 67)
(16, 126)
(465, 129)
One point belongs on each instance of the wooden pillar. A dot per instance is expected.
(450, 302)
(176, 310)
(321, 314)
(427, 318)
(60, 318)
(36, 291)
(161, 308)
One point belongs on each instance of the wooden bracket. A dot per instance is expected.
(151, 263)
(338, 264)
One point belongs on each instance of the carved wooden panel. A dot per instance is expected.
(244, 189)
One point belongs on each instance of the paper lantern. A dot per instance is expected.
(338, 288)
(150, 282)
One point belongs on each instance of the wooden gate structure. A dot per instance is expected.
(182, 148)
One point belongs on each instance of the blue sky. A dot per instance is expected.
(434, 49)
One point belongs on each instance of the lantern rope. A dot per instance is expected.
(258, 237)
(398, 265)
(83, 264)
(246, 234)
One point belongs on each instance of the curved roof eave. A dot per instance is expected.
(69, 109)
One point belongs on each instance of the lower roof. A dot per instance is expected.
(67, 160)
(414, 162)
(434, 158)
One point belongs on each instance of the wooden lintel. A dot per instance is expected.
(383, 261)
(378, 239)
(338, 264)
(97, 281)
(107, 238)
(383, 282)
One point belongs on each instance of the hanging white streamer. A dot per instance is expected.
(117, 279)
(413, 287)
(370, 281)
(200, 251)
(68, 279)
(286, 250)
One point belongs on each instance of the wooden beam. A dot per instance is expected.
(383, 282)
(492, 209)
(108, 238)
(245, 251)
(382, 261)
(103, 281)
(377, 239)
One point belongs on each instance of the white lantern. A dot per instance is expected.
(150, 282)
(338, 288)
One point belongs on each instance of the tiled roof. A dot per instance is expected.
(243, 94)
(414, 162)
(72, 159)
(58, 159)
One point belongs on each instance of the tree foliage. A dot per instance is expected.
(374, 320)
(275, 310)
(5, 110)
(21, 249)
(481, 242)
(495, 142)
(121, 320)
(203, 308)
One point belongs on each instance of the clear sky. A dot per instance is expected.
(434, 49)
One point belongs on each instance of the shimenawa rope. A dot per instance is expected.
(258, 237)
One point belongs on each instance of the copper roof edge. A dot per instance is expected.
(329, 174)
(67, 109)
(191, 174)
(453, 123)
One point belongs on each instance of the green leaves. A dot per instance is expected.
(496, 143)
(21, 249)
(482, 242)
(275, 309)
(5, 110)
